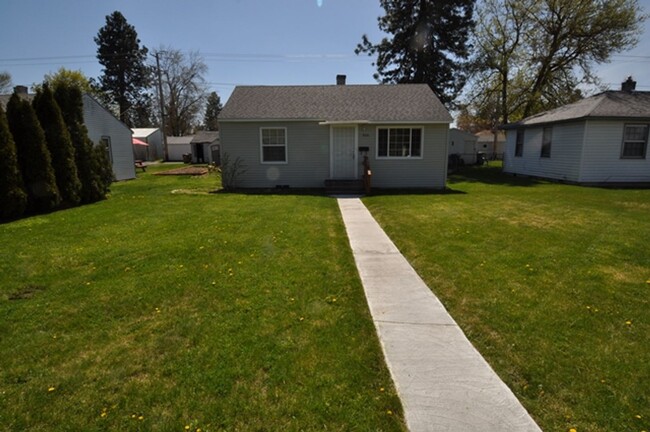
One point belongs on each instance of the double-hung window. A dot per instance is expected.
(635, 141)
(399, 142)
(273, 144)
(519, 145)
(547, 138)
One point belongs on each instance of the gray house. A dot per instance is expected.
(301, 136)
(600, 139)
(205, 147)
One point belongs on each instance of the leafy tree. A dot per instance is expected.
(429, 41)
(5, 82)
(12, 190)
(34, 158)
(184, 89)
(212, 109)
(531, 56)
(59, 144)
(93, 187)
(126, 75)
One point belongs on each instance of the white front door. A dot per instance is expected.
(343, 152)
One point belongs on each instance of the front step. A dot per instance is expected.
(336, 186)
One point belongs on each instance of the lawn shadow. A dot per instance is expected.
(491, 175)
(325, 193)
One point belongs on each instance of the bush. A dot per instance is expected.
(12, 191)
(34, 158)
(59, 144)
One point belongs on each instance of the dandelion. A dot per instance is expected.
(389, 412)
(214, 282)
(51, 389)
(292, 299)
(628, 322)
(103, 414)
(381, 389)
(638, 416)
(187, 427)
(133, 416)
(302, 318)
(573, 430)
(141, 418)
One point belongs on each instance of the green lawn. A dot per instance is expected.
(165, 307)
(551, 283)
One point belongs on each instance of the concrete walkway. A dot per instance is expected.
(443, 382)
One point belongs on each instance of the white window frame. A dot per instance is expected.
(409, 127)
(286, 146)
(645, 141)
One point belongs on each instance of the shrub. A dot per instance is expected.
(12, 191)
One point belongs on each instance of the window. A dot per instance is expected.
(106, 142)
(399, 143)
(519, 146)
(635, 141)
(547, 137)
(273, 142)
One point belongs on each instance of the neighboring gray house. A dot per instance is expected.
(104, 128)
(463, 144)
(487, 144)
(154, 138)
(600, 139)
(178, 146)
(301, 136)
(205, 147)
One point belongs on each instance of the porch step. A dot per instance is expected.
(343, 186)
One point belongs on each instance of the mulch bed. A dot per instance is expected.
(192, 171)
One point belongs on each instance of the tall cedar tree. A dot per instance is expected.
(125, 75)
(212, 109)
(34, 158)
(60, 145)
(93, 186)
(13, 198)
(429, 42)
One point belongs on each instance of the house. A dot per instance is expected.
(106, 129)
(492, 143)
(301, 136)
(178, 146)
(103, 128)
(599, 139)
(463, 144)
(154, 149)
(205, 147)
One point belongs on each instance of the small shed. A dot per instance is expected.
(492, 143)
(206, 147)
(178, 146)
(463, 144)
(154, 138)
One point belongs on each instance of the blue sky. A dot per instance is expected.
(243, 41)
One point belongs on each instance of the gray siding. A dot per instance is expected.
(100, 123)
(308, 150)
(566, 149)
(601, 158)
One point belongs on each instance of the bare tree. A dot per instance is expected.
(5, 82)
(184, 89)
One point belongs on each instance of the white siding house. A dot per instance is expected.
(463, 144)
(303, 136)
(178, 146)
(154, 138)
(600, 139)
(105, 129)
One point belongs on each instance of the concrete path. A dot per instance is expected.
(443, 382)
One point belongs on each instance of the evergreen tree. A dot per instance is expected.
(59, 144)
(13, 198)
(69, 99)
(103, 167)
(125, 75)
(429, 41)
(212, 109)
(34, 158)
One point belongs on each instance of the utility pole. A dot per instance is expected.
(162, 107)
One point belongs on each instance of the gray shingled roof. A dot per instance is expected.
(609, 104)
(203, 137)
(373, 103)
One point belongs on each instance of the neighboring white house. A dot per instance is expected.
(463, 144)
(154, 138)
(206, 148)
(303, 136)
(179, 146)
(600, 139)
(487, 144)
(105, 129)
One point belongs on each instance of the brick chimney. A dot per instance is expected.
(340, 79)
(20, 90)
(629, 85)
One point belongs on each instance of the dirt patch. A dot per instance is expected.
(27, 292)
(191, 171)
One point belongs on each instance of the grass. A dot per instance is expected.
(165, 307)
(550, 282)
